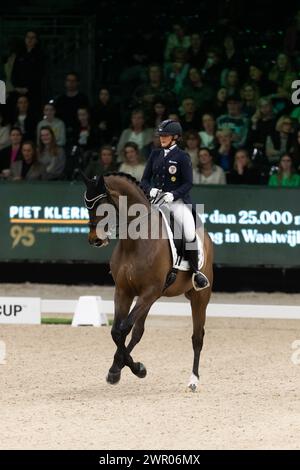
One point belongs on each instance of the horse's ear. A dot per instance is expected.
(85, 178)
(101, 183)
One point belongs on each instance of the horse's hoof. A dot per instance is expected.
(142, 372)
(193, 383)
(193, 387)
(113, 377)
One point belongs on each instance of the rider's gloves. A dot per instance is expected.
(154, 192)
(168, 197)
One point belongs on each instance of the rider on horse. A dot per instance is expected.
(169, 170)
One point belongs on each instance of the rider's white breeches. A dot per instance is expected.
(183, 214)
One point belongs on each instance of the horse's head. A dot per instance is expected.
(95, 194)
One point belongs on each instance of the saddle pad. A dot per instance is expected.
(183, 263)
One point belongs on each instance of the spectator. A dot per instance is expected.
(28, 168)
(249, 94)
(177, 70)
(208, 134)
(192, 143)
(295, 151)
(207, 172)
(219, 106)
(68, 103)
(50, 154)
(231, 58)
(144, 94)
(145, 152)
(201, 93)
(231, 82)
(137, 133)
(257, 78)
(57, 125)
(196, 53)
(86, 135)
(4, 130)
(263, 124)
(102, 164)
(286, 176)
(189, 117)
(212, 68)
(177, 38)
(280, 140)
(105, 115)
(159, 112)
(14, 49)
(28, 70)
(235, 121)
(132, 161)
(242, 172)
(11, 153)
(225, 150)
(24, 118)
(282, 74)
(174, 117)
(292, 37)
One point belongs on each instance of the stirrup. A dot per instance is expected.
(205, 281)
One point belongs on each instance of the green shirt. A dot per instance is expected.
(292, 181)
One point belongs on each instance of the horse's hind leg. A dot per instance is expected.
(199, 301)
(123, 301)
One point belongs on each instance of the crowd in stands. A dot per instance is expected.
(240, 125)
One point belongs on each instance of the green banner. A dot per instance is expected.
(250, 226)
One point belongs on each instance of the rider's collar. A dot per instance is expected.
(166, 151)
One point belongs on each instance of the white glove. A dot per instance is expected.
(168, 197)
(154, 192)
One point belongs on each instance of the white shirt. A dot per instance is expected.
(166, 151)
(216, 177)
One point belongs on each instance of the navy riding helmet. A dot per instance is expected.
(169, 127)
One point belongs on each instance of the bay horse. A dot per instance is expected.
(140, 268)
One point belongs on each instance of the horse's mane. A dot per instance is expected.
(130, 178)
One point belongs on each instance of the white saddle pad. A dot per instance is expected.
(183, 263)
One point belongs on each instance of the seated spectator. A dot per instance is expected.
(249, 95)
(144, 94)
(196, 89)
(137, 133)
(196, 52)
(105, 115)
(159, 112)
(70, 101)
(235, 121)
(295, 151)
(242, 171)
(176, 71)
(212, 68)
(192, 143)
(258, 78)
(11, 153)
(219, 106)
(24, 118)
(286, 175)
(263, 124)
(28, 168)
(282, 74)
(225, 150)
(280, 140)
(208, 134)
(146, 151)
(4, 131)
(189, 117)
(132, 161)
(102, 164)
(50, 154)
(57, 125)
(231, 57)
(231, 81)
(177, 38)
(207, 172)
(28, 71)
(86, 135)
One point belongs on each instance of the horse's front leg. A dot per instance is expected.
(123, 301)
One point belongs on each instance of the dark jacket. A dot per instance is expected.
(172, 173)
(5, 157)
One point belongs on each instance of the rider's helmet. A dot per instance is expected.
(169, 127)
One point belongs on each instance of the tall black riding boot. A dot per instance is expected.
(200, 280)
